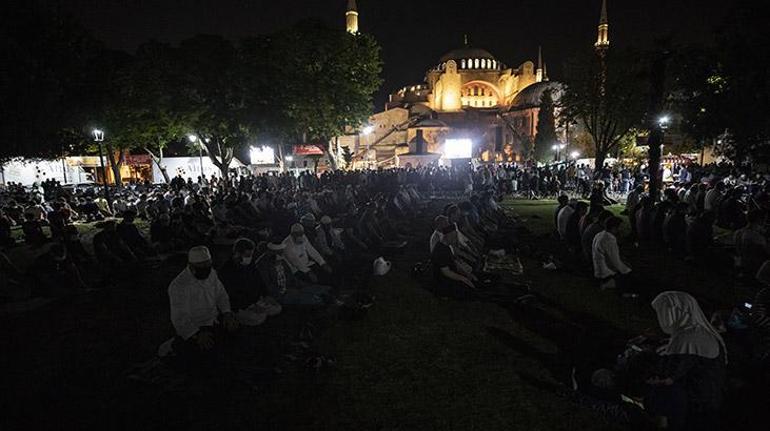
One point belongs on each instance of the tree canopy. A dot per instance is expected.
(723, 92)
(49, 66)
(306, 83)
(607, 97)
(546, 128)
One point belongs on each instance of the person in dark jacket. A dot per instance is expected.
(241, 277)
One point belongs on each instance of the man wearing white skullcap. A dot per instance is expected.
(197, 299)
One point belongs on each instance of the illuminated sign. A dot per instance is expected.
(262, 155)
(458, 149)
(308, 150)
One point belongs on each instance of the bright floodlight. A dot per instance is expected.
(458, 149)
(562, 146)
(555, 147)
(192, 138)
(98, 135)
(368, 130)
(262, 155)
(664, 120)
(575, 154)
(289, 158)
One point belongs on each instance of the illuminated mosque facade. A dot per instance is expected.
(468, 96)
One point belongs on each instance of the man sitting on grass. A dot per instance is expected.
(451, 280)
(587, 239)
(306, 261)
(281, 284)
(606, 256)
(197, 301)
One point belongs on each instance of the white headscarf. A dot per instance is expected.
(680, 316)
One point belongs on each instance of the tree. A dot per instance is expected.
(211, 97)
(48, 64)
(545, 137)
(148, 90)
(111, 110)
(325, 81)
(347, 156)
(606, 97)
(723, 91)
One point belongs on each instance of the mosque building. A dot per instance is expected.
(470, 97)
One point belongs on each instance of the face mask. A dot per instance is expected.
(201, 273)
(246, 261)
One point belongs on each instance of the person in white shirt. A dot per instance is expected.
(563, 218)
(606, 255)
(713, 197)
(440, 222)
(303, 257)
(198, 303)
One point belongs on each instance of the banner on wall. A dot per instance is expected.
(308, 150)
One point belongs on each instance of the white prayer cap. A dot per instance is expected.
(297, 228)
(381, 266)
(199, 254)
(326, 220)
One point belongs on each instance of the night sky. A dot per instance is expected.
(413, 33)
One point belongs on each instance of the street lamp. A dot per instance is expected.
(575, 155)
(368, 130)
(99, 138)
(558, 149)
(193, 139)
(664, 121)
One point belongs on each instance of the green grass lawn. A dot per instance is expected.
(415, 362)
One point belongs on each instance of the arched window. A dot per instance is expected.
(462, 64)
(476, 63)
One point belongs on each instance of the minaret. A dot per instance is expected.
(545, 72)
(603, 40)
(351, 17)
(539, 72)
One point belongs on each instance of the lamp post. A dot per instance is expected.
(558, 149)
(366, 132)
(193, 139)
(99, 138)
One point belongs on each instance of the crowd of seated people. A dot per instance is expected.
(463, 238)
(283, 254)
(685, 218)
(294, 241)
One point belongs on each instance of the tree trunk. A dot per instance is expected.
(657, 94)
(601, 156)
(332, 156)
(281, 159)
(655, 141)
(220, 155)
(158, 160)
(115, 164)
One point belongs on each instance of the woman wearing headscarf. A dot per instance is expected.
(694, 358)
